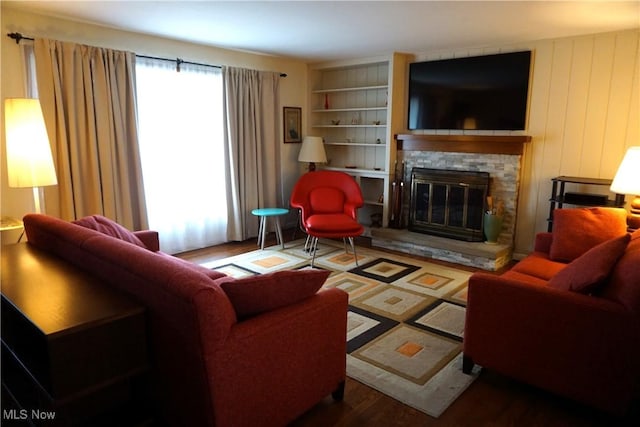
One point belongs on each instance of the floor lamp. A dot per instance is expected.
(627, 181)
(29, 159)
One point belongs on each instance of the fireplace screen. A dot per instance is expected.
(448, 203)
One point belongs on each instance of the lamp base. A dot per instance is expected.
(633, 219)
(312, 166)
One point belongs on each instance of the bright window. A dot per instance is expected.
(180, 130)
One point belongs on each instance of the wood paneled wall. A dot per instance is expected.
(583, 115)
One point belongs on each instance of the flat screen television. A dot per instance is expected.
(479, 92)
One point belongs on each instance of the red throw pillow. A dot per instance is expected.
(575, 231)
(110, 228)
(586, 273)
(258, 294)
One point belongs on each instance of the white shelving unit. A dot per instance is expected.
(351, 109)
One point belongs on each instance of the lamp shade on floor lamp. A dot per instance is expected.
(29, 159)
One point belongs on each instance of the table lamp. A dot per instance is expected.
(627, 181)
(29, 159)
(312, 151)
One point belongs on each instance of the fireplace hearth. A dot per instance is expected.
(448, 203)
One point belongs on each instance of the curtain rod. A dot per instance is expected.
(18, 37)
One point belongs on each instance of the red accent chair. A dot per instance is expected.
(328, 203)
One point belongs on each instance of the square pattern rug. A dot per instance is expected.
(405, 322)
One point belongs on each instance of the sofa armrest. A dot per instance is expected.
(287, 359)
(543, 242)
(150, 238)
(574, 344)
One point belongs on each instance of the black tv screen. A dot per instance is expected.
(478, 92)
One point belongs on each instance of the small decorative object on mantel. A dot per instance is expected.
(492, 222)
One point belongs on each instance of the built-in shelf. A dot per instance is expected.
(336, 110)
(349, 126)
(368, 172)
(357, 144)
(485, 144)
(350, 89)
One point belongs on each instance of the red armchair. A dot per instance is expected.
(328, 202)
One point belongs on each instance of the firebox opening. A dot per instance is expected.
(448, 203)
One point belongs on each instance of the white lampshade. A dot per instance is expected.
(627, 179)
(312, 150)
(29, 160)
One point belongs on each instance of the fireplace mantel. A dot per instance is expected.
(484, 144)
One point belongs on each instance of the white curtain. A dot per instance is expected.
(252, 108)
(180, 125)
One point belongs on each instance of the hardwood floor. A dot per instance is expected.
(492, 400)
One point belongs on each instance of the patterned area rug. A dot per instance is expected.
(405, 320)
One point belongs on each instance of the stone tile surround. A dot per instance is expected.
(504, 185)
(504, 171)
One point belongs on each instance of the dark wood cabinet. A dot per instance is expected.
(72, 347)
(560, 196)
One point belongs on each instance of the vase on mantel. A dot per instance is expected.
(492, 225)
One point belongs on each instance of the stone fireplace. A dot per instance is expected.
(495, 158)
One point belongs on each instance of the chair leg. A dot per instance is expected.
(279, 233)
(338, 393)
(467, 364)
(314, 249)
(353, 248)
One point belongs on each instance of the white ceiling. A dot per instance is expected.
(323, 30)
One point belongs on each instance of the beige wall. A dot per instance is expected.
(17, 202)
(583, 114)
(584, 104)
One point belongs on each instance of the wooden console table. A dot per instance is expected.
(73, 349)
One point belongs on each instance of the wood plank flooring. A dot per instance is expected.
(492, 400)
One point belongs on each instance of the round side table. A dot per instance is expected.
(263, 214)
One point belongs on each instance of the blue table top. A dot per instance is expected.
(269, 211)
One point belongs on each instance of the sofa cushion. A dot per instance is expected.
(110, 228)
(575, 231)
(258, 294)
(525, 278)
(538, 264)
(624, 284)
(587, 272)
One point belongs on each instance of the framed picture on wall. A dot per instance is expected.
(292, 117)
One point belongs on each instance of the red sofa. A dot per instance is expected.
(224, 352)
(567, 317)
